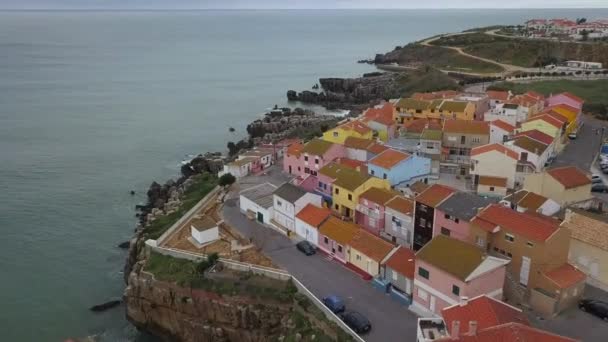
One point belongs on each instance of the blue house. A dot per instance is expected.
(398, 167)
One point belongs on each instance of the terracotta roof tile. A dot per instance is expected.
(313, 215)
(389, 158)
(379, 196)
(376, 148)
(402, 261)
(508, 332)
(498, 95)
(383, 115)
(574, 97)
(372, 246)
(466, 127)
(493, 181)
(566, 107)
(402, 205)
(548, 119)
(531, 226)
(494, 147)
(536, 135)
(532, 201)
(503, 125)
(356, 126)
(565, 276)
(570, 176)
(295, 149)
(338, 230)
(530, 145)
(357, 143)
(419, 187)
(418, 125)
(588, 228)
(434, 195)
(446, 94)
(486, 311)
(352, 163)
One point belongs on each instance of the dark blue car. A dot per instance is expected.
(334, 303)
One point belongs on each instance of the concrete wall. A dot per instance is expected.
(246, 204)
(591, 260)
(205, 236)
(495, 164)
(306, 231)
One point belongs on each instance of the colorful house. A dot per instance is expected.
(459, 138)
(494, 160)
(552, 125)
(325, 180)
(531, 152)
(398, 167)
(540, 137)
(312, 157)
(506, 332)
(347, 188)
(262, 158)
(498, 97)
(567, 99)
(355, 128)
(398, 269)
(448, 269)
(288, 200)
(453, 216)
(362, 149)
(367, 251)
(408, 109)
(565, 185)
(335, 236)
(308, 221)
(399, 221)
(424, 214)
(380, 120)
(291, 159)
(370, 210)
(238, 168)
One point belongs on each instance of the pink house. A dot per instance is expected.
(565, 98)
(448, 270)
(310, 158)
(335, 236)
(453, 216)
(291, 158)
(370, 210)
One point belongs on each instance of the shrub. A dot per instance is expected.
(204, 265)
(226, 179)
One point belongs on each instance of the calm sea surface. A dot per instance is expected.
(94, 104)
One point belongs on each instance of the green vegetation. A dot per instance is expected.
(445, 59)
(426, 79)
(201, 186)
(226, 179)
(206, 264)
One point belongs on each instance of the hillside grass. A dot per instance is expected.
(445, 59)
(425, 79)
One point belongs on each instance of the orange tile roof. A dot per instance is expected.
(565, 276)
(532, 226)
(508, 332)
(356, 126)
(498, 95)
(534, 94)
(466, 127)
(376, 148)
(379, 196)
(338, 230)
(434, 195)
(401, 204)
(352, 163)
(570, 176)
(402, 261)
(389, 159)
(494, 147)
(313, 215)
(357, 143)
(503, 125)
(383, 115)
(372, 246)
(486, 311)
(493, 181)
(536, 135)
(295, 149)
(532, 201)
(418, 125)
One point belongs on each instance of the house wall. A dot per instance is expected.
(338, 135)
(547, 186)
(246, 204)
(423, 225)
(205, 236)
(371, 217)
(538, 160)
(326, 185)
(308, 198)
(307, 231)
(332, 248)
(414, 166)
(356, 154)
(383, 130)
(316, 162)
(495, 191)
(284, 213)
(497, 135)
(293, 161)
(398, 280)
(495, 164)
(458, 230)
(363, 262)
(542, 126)
(402, 235)
(341, 198)
(591, 260)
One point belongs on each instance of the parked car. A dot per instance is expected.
(596, 179)
(334, 303)
(306, 247)
(603, 166)
(595, 307)
(356, 321)
(572, 136)
(599, 188)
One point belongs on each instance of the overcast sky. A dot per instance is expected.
(268, 4)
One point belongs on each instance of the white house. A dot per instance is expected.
(238, 168)
(308, 221)
(508, 112)
(494, 160)
(500, 131)
(530, 151)
(288, 200)
(204, 230)
(257, 202)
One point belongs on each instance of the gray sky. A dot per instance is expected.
(267, 4)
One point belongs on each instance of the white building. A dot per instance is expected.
(238, 168)
(204, 230)
(288, 200)
(500, 131)
(507, 112)
(584, 65)
(308, 221)
(528, 201)
(257, 202)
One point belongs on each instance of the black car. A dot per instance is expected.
(595, 307)
(599, 188)
(306, 247)
(356, 321)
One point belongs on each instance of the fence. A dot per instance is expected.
(259, 270)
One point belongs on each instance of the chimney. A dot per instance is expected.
(464, 301)
(455, 331)
(472, 328)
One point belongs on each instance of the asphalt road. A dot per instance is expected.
(390, 320)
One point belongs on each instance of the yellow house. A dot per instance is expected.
(568, 112)
(356, 129)
(549, 124)
(367, 252)
(588, 245)
(565, 185)
(347, 188)
(410, 109)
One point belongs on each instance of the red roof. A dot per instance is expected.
(466, 127)
(532, 226)
(536, 135)
(434, 195)
(313, 215)
(535, 95)
(419, 125)
(498, 95)
(376, 148)
(503, 125)
(494, 147)
(383, 115)
(570, 176)
(295, 149)
(508, 332)
(403, 261)
(565, 276)
(372, 246)
(566, 107)
(486, 311)
(389, 158)
(352, 163)
(356, 126)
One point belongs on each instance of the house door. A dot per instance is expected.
(347, 212)
(289, 169)
(524, 271)
(432, 306)
(260, 217)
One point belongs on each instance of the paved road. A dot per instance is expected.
(390, 320)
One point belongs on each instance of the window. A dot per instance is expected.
(502, 251)
(337, 191)
(337, 207)
(326, 240)
(491, 188)
(456, 220)
(446, 216)
(307, 170)
(509, 237)
(463, 139)
(279, 203)
(305, 158)
(523, 156)
(422, 207)
(423, 273)
(423, 295)
(373, 172)
(316, 160)
(479, 241)
(299, 169)
(340, 248)
(476, 140)
(358, 257)
(445, 231)
(529, 244)
(509, 255)
(495, 249)
(456, 290)
(335, 134)
(350, 197)
(394, 274)
(384, 176)
(575, 291)
(422, 222)
(320, 185)
(452, 138)
(396, 221)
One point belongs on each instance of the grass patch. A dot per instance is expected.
(442, 58)
(426, 79)
(201, 186)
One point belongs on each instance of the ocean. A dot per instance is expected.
(94, 104)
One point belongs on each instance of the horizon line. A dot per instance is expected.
(292, 9)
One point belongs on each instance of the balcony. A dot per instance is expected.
(371, 213)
